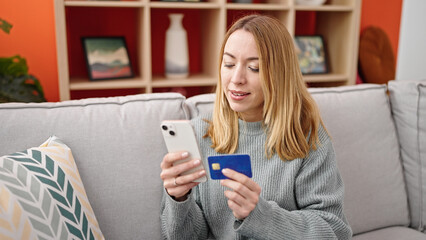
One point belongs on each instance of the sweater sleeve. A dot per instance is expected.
(182, 220)
(319, 195)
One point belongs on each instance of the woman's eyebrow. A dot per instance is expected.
(232, 56)
(226, 53)
(253, 58)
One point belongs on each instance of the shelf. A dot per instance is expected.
(86, 84)
(316, 78)
(193, 80)
(104, 4)
(260, 6)
(324, 8)
(144, 23)
(184, 5)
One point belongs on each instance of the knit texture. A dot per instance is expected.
(300, 199)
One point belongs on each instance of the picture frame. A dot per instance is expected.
(107, 58)
(311, 53)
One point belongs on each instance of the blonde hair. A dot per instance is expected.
(290, 115)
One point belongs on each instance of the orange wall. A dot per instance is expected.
(33, 34)
(32, 37)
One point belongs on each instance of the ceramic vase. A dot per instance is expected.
(176, 54)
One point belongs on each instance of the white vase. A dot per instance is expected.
(310, 2)
(177, 56)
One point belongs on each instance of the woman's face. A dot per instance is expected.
(240, 76)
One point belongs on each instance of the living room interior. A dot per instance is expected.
(128, 20)
(85, 162)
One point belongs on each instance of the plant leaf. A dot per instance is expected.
(5, 26)
(26, 88)
(13, 66)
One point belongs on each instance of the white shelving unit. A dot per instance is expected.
(337, 21)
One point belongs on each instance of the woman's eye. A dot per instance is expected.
(254, 69)
(228, 65)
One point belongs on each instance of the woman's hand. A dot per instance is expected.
(178, 186)
(244, 195)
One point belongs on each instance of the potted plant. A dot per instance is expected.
(16, 85)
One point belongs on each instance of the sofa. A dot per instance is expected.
(114, 147)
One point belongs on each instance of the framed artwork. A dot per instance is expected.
(311, 53)
(107, 58)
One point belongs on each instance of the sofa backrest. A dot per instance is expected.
(364, 136)
(117, 146)
(118, 151)
(408, 101)
(359, 120)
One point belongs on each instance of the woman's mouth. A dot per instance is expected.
(238, 95)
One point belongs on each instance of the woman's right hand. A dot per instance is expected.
(176, 185)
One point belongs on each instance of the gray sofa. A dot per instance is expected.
(379, 138)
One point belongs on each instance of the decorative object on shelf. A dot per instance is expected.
(376, 57)
(107, 58)
(310, 2)
(311, 54)
(177, 55)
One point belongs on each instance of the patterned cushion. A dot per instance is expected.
(43, 197)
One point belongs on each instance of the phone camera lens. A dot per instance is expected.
(172, 133)
(164, 127)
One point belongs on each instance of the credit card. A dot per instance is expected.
(237, 162)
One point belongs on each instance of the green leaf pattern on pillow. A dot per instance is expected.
(42, 196)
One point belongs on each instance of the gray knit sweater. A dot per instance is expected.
(300, 199)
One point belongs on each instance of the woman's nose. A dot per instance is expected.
(239, 75)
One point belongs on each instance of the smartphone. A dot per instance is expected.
(237, 162)
(179, 136)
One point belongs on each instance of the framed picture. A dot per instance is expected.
(311, 53)
(107, 58)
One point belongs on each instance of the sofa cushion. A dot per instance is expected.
(408, 101)
(359, 121)
(200, 104)
(391, 233)
(117, 145)
(43, 197)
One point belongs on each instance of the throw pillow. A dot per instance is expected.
(42, 196)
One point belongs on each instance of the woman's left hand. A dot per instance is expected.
(244, 195)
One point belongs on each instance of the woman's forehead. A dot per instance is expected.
(241, 42)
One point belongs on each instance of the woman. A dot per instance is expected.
(262, 108)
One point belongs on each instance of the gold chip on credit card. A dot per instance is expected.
(216, 166)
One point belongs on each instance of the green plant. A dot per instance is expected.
(5, 26)
(16, 85)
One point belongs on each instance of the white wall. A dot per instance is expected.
(411, 62)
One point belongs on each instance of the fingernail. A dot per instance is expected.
(185, 154)
(196, 162)
(202, 173)
(225, 170)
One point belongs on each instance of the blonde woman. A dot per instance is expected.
(263, 109)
